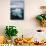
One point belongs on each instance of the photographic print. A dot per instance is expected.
(17, 10)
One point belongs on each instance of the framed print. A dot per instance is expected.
(17, 10)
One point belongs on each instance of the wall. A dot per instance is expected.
(26, 26)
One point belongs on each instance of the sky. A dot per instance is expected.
(17, 3)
